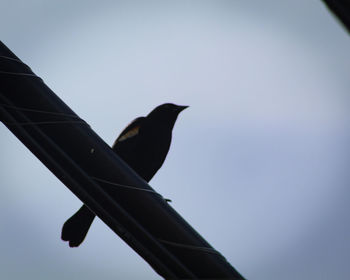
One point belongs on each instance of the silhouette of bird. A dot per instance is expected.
(143, 145)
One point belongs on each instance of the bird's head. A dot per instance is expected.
(166, 113)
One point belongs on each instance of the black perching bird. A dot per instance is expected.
(143, 145)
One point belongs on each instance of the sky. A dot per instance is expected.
(258, 162)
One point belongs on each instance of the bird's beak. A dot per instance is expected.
(181, 108)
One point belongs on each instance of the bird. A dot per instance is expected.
(143, 145)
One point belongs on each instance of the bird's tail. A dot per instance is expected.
(76, 227)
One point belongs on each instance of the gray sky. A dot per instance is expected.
(258, 163)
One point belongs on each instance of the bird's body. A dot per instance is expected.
(146, 152)
(143, 145)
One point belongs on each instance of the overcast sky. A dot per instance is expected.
(258, 163)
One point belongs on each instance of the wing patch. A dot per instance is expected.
(130, 133)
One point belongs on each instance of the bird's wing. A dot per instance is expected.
(130, 131)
